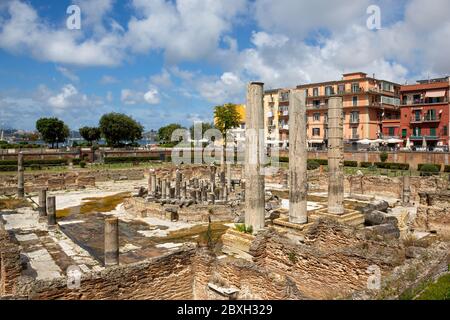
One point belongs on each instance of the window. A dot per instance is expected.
(307, 92)
(316, 92)
(284, 96)
(354, 117)
(326, 117)
(316, 116)
(355, 87)
(433, 132)
(341, 88)
(391, 132)
(355, 101)
(387, 86)
(404, 133)
(445, 131)
(316, 132)
(355, 133)
(329, 90)
(431, 115)
(417, 132)
(316, 103)
(417, 115)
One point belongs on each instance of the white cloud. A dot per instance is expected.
(24, 31)
(229, 88)
(131, 97)
(163, 79)
(68, 97)
(62, 100)
(185, 30)
(68, 74)
(152, 96)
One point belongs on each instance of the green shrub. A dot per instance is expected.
(109, 160)
(41, 162)
(241, 227)
(7, 168)
(352, 164)
(428, 165)
(82, 164)
(322, 162)
(35, 167)
(284, 159)
(381, 165)
(429, 169)
(312, 165)
(392, 166)
(364, 164)
(383, 156)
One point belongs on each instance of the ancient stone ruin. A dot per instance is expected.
(215, 232)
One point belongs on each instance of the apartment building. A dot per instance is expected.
(369, 107)
(425, 113)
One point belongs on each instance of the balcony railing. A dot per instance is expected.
(422, 101)
(414, 137)
(354, 121)
(425, 119)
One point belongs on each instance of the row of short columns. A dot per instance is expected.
(206, 191)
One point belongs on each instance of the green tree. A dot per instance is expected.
(118, 128)
(205, 127)
(384, 156)
(52, 130)
(226, 117)
(165, 133)
(90, 134)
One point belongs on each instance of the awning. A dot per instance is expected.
(315, 141)
(394, 141)
(364, 141)
(273, 142)
(435, 94)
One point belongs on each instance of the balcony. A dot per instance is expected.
(354, 121)
(418, 102)
(426, 137)
(429, 118)
(425, 119)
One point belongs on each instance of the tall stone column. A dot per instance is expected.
(178, 180)
(51, 211)
(213, 177)
(111, 241)
(229, 176)
(298, 156)
(163, 189)
(42, 202)
(20, 177)
(335, 156)
(152, 184)
(254, 145)
(183, 190)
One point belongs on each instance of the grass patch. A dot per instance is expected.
(439, 290)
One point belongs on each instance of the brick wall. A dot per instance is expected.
(10, 267)
(168, 277)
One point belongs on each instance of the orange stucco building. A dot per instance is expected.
(368, 103)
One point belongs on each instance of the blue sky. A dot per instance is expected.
(173, 61)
